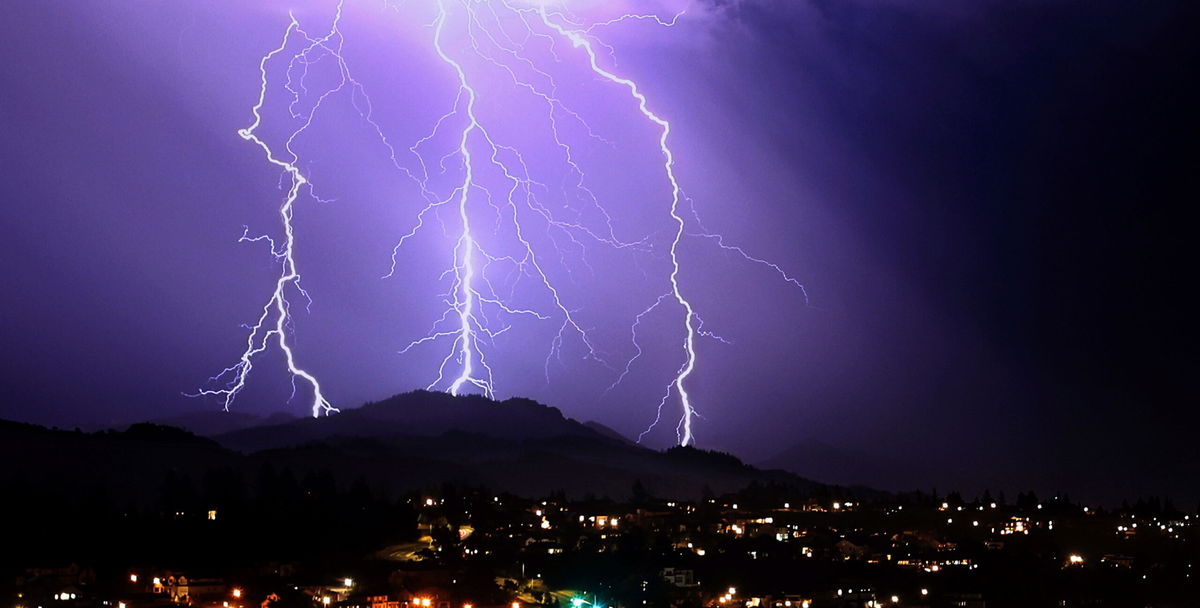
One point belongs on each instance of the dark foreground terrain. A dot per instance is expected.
(424, 500)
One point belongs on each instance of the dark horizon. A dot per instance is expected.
(987, 206)
(439, 418)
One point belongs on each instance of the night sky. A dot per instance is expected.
(989, 205)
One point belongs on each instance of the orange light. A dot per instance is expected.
(237, 593)
(133, 578)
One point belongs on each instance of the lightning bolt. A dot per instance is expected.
(465, 249)
(478, 309)
(273, 324)
(470, 259)
(580, 40)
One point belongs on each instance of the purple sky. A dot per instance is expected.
(976, 200)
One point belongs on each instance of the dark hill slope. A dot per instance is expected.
(419, 413)
(405, 443)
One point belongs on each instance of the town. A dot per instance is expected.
(764, 547)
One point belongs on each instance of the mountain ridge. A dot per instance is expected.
(400, 444)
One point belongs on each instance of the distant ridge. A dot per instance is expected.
(405, 443)
(423, 414)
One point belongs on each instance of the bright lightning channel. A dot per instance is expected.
(471, 290)
(465, 249)
(580, 40)
(273, 323)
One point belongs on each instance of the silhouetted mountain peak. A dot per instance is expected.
(423, 404)
(423, 414)
(408, 441)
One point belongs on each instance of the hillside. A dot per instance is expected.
(410, 441)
